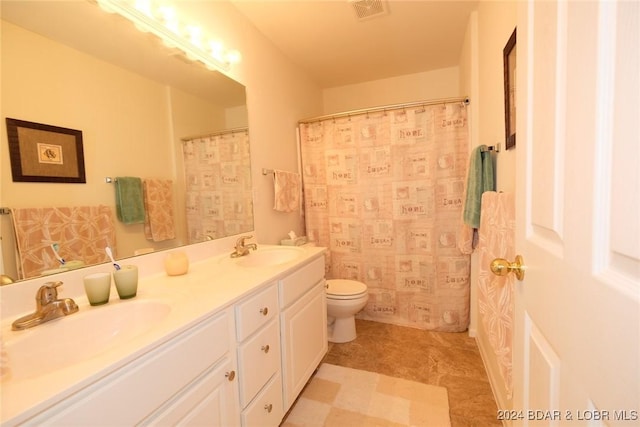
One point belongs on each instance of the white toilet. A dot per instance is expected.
(345, 298)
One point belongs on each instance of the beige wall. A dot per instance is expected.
(481, 70)
(469, 62)
(425, 86)
(495, 24)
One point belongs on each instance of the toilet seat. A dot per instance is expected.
(344, 289)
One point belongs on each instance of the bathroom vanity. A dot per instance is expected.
(230, 343)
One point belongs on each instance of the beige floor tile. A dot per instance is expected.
(450, 360)
(322, 390)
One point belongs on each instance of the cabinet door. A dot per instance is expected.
(304, 334)
(138, 389)
(209, 401)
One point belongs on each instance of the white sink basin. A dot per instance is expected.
(77, 337)
(269, 256)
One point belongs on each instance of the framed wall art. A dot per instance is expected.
(45, 153)
(509, 59)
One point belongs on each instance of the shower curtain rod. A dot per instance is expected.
(222, 132)
(464, 100)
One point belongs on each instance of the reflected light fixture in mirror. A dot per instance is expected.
(163, 22)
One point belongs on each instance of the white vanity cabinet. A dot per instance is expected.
(189, 380)
(258, 347)
(303, 322)
(242, 363)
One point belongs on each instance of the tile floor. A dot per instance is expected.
(338, 396)
(450, 360)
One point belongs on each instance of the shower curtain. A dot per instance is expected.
(217, 176)
(384, 193)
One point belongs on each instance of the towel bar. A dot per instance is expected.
(495, 148)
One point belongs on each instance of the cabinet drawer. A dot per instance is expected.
(256, 311)
(266, 410)
(297, 284)
(258, 360)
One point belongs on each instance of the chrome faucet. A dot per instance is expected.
(241, 248)
(48, 307)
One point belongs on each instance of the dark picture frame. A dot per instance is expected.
(45, 153)
(509, 60)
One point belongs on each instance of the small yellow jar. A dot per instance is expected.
(176, 263)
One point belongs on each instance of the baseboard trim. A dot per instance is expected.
(495, 380)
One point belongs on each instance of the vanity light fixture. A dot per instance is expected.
(163, 22)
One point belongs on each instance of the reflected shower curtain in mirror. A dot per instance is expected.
(217, 179)
(384, 192)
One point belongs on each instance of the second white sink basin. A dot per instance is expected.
(270, 256)
(79, 336)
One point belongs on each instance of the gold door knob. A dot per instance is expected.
(268, 407)
(502, 267)
(230, 375)
(264, 311)
(265, 348)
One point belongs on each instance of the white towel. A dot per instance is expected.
(286, 189)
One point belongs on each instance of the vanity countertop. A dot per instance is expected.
(211, 285)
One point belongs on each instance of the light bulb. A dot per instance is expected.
(216, 47)
(170, 18)
(148, 17)
(144, 6)
(195, 35)
(233, 56)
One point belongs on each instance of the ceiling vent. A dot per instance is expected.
(366, 9)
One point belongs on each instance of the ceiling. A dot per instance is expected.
(325, 38)
(335, 47)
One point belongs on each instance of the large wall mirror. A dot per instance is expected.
(72, 65)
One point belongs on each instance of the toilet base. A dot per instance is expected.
(342, 330)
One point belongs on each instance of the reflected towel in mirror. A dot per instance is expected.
(129, 201)
(82, 233)
(158, 208)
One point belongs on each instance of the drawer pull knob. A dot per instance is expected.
(265, 348)
(230, 375)
(268, 407)
(264, 311)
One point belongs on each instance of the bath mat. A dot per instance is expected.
(337, 396)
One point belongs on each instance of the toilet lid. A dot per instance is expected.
(344, 287)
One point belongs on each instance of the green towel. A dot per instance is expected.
(480, 179)
(129, 201)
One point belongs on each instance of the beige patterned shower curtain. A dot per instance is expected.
(217, 176)
(384, 192)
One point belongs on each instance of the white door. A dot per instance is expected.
(578, 218)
